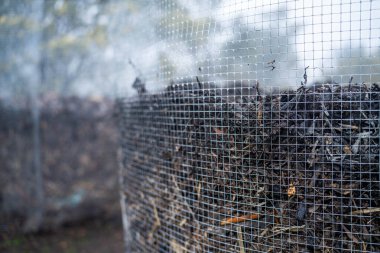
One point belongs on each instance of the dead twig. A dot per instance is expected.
(157, 222)
(349, 234)
(367, 211)
(280, 230)
(240, 239)
(260, 113)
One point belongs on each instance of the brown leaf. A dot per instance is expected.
(347, 150)
(218, 131)
(291, 190)
(238, 219)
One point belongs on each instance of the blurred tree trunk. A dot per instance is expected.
(35, 51)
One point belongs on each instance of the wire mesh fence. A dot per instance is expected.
(266, 137)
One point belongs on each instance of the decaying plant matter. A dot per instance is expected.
(292, 172)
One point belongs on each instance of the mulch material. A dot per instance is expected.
(296, 171)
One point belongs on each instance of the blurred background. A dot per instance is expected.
(63, 63)
(58, 154)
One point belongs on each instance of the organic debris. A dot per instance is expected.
(291, 190)
(306, 162)
(239, 219)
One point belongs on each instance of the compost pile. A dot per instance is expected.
(207, 171)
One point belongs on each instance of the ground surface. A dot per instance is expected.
(93, 236)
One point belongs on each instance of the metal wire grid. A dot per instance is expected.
(267, 41)
(212, 169)
(295, 172)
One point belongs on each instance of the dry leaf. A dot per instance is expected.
(291, 190)
(218, 131)
(347, 150)
(239, 219)
(182, 222)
